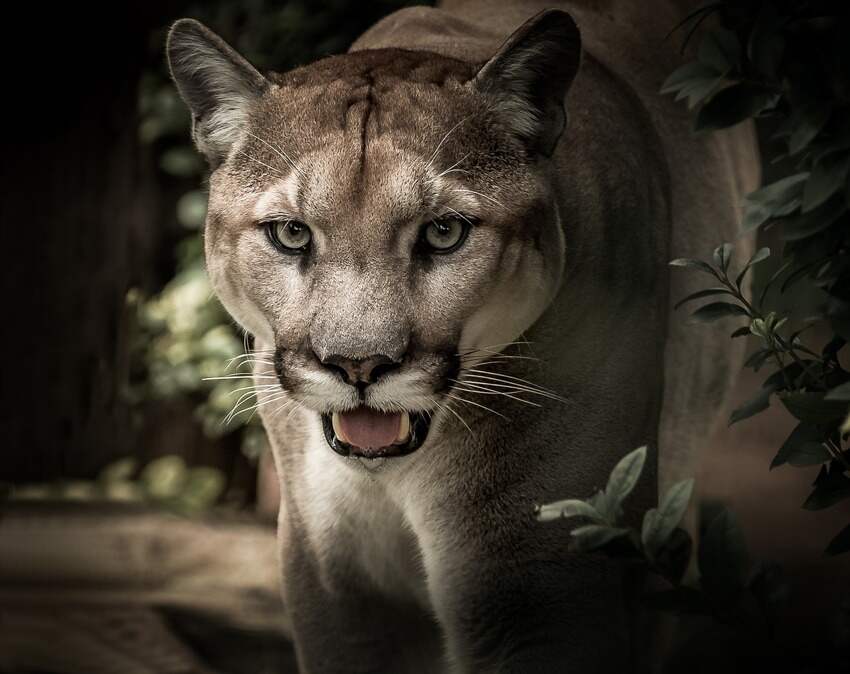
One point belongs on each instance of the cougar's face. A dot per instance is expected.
(378, 224)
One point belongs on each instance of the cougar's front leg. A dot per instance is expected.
(544, 615)
(343, 625)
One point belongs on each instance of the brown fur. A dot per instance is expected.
(434, 561)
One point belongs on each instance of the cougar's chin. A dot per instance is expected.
(368, 433)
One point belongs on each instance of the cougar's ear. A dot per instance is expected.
(218, 85)
(529, 77)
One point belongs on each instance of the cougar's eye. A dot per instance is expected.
(444, 235)
(289, 236)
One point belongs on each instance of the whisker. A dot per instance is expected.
(283, 407)
(484, 196)
(513, 384)
(246, 375)
(255, 388)
(448, 408)
(271, 168)
(470, 402)
(452, 169)
(445, 138)
(459, 215)
(280, 152)
(490, 392)
(503, 356)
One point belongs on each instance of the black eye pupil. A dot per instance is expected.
(288, 236)
(445, 235)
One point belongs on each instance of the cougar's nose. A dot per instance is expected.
(360, 372)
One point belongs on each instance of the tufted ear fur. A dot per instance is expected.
(529, 77)
(218, 85)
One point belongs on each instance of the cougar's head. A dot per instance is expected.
(381, 217)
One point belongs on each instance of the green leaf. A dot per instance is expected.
(815, 221)
(733, 105)
(810, 124)
(594, 536)
(708, 292)
(568, 508)
(759, 403)
(826, 178)
(841, 543)
(831, 487)
(623, 479)
(698, 90)
(841, 392)
(720, 50)
(759, 256)
(774, 200)
(658, 524)
(812, 407)
(717, 310)
(803, 447)
(722, 255)
(687, 74)
(766, 44)
(758, 358)
(693, 264)
(723, 558)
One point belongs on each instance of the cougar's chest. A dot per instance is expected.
(352, 520)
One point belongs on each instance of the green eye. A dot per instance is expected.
(289, 236)
(445, 235)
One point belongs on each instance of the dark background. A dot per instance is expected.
(87, 216)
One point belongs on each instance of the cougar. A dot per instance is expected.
(451, 246)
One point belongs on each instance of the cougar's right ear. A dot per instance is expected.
(218, 85)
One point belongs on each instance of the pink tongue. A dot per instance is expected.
(369, 429)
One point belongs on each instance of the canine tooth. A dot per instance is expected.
(337, 427)
(404, 428)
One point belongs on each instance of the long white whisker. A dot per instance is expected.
(246, 375)
(491, 392)
(448, 408)
(271, 168)
(506, 381)
(280, 152)
(445, 138)
(484, 196)
(452, 169)
(470, 402)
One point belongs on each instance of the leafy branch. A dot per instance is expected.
(729, 588)
(783, 65)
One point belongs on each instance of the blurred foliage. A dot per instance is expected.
(787, 65)
(166, 482)
(728, 587)
(184, 336)
(732, 604)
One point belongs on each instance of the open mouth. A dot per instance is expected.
(371, 434)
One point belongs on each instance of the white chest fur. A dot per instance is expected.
(349, 510)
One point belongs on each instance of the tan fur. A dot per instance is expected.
(433, 562)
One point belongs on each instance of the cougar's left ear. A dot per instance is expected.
(529, 77)
(218, 85)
